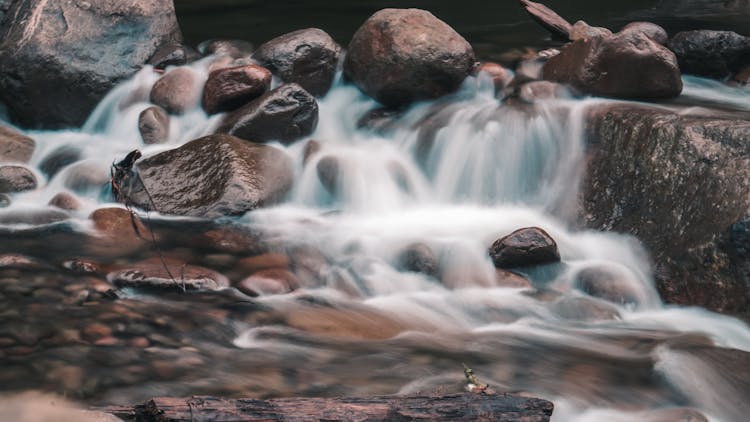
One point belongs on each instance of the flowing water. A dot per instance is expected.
(372, 328)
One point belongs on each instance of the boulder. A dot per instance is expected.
(153, 124)
(624, 65)
(307, 57)
(177, 91)
(742, 78)
(271, 281)
(15, 146)
(399, 56)
(87, 175)
(548, 19)
(232, 87)
(284, 114)
(212, 176)
(118, 232)
(16, 179)
(651, 30)
(523, 248)
(59, 58)
(167, 275)
(714, 54)
(678, 183)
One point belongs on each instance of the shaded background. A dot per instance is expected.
(492, 26)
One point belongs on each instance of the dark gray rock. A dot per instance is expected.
(285, 114)
(523, 248)
(714, 54)
(15, 146)
(212, 176)
(624, 65)
(307, 57)
(232, 87)
(153, 124)
(59, 58)
(16, 179)
(399, 56)
(418, 258)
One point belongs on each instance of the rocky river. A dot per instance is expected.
(303, 215)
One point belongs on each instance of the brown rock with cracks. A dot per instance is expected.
(16, 179)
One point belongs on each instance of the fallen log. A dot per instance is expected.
(457, 407)
(546, 17)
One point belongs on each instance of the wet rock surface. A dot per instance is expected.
(230, 88)
(212, 176)
(625, 65)
(677, 183)
(49, 78)
(177, 91)
(307, 57)
(524, 247)
(167, 275)
(399, 56)
(284, 114)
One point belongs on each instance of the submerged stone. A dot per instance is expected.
(523, 248)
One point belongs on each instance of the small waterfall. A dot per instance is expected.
(453, 175)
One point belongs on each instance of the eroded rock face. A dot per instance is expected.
(213, 176)
(15, 146)
(714, 54)
(524, 247)
(651, 30)
(307, 57)
(403, 55)
(285, 114)
(59, 58)
(16, 179)
(677, 183)
(624, 65)
(232, 87)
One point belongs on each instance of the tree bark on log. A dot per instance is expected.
(546, 17)
(458, 407)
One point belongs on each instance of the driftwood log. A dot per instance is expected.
(458, 407)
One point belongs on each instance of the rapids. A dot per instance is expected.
(490, 170)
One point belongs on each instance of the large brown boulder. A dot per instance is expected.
(212, 176)
(715, 54)
(679, 183)
(403, 55)
(285, 114)
(59, 58)
(625, 65)
(232, 87)
(308, 57)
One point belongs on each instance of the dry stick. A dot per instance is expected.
(123, 170)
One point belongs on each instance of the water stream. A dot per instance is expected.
(490, 170)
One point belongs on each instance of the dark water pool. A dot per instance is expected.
(493, 27)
